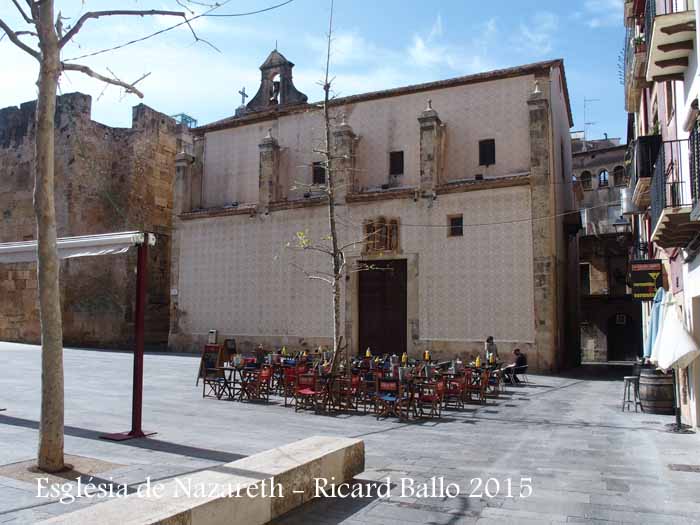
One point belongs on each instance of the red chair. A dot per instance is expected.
(478, 383)
(306, 393)
(387, 397)
(256, 386)
(367, 391)
(289, 382)
(430, 398)
(454, 392)
(341, 396)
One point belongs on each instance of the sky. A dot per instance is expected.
(377, 44)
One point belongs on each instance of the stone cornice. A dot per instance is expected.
(357, 198)
(485, 184)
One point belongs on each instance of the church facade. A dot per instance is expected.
(454, 192)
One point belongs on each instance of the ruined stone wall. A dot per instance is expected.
(107, 180)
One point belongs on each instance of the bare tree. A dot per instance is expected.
(331, 245)
(48, 37)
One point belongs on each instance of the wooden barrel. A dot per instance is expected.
(656, 391)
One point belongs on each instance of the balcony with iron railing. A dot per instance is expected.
(635, 56)
(641, 155)
(669, 31)
(671, 199)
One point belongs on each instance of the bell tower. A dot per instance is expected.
(276, 86)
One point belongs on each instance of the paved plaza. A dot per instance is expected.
(588, 462)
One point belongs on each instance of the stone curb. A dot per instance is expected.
(252, 490)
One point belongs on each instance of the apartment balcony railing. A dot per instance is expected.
(642, 155)
(694, 157)
(671, 200)
(635, 68)
(670, 36)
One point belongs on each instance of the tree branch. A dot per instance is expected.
(129, 88)
(117, 12)
(16, 41)
(186, 21)
(310, 275)
(26, 17)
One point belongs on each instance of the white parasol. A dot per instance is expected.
(674, 346)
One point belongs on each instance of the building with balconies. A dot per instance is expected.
(610, 321)
(663, 159)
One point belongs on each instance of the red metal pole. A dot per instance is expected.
(139, 328)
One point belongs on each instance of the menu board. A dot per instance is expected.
(647, 277)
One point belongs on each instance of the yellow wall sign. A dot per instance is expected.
(647, 277)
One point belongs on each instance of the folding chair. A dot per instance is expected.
(213, 383)
(522, 372)
(289, 382)
(429, 398)
(306, 394)
(454, 392)
(257, 387)
(387, 396)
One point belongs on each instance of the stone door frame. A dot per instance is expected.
(352, 301)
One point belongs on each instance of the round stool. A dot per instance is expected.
(630, 393)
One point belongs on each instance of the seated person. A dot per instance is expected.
(509, 372)
(260, 355)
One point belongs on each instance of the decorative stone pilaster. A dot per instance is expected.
(269, 172)
(197, 175)
(431, 143)
(183, 182)
(543, 227)
(187, 194)
(344, 145)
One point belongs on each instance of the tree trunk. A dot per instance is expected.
(50, 454)
(337, 254)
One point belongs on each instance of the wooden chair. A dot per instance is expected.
(521, 372)
(213, 383)
(455, 389)
(406, 404)
(388, 393)
(429, 398)
(367, 391)
(257, 386)
(478, 383)
(495, 383)
(306, 393)
(289, 382)
(341, 397)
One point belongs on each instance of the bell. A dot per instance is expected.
(368, 353)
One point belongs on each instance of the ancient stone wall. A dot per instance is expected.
(107, 180)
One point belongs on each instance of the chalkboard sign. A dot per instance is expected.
(647, 278)
(210, 361)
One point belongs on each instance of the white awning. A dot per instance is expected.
(674, 347)
(83, 246)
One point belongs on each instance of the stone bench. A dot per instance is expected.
(235, 493)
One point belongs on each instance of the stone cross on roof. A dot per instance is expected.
(243, 95)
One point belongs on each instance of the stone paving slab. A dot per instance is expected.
(588, 461)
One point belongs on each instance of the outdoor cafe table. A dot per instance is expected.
(233, 382)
